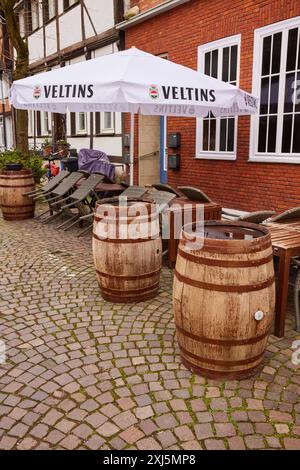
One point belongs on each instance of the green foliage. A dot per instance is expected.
(47, 143)
(28, 161)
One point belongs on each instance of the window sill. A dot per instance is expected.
(107, 132)
(215, 156)
(269, 158)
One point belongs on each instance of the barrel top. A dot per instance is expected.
(230, 235)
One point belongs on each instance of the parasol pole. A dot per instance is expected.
(131, 147)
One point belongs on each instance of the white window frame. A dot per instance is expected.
(44, 131)
(81, 131)
(209, 154)
(259, 34)
(107, 130)
(35, 11)
(30, 123)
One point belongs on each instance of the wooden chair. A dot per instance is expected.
(194, 194)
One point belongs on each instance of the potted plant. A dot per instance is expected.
(47, 147)
(16, 159)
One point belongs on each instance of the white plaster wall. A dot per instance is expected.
(70, 27)
(51, 42)
(102, 16)
(35, 45)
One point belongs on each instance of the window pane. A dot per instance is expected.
(292, 49)
(107, 120)
(265, 70)
(223, 126)
(214, 65)
(205, 134)
(297, 93)
(230, 137)
(225, 65)
(296, 139)
(289, 91)
(262, 134)
(233, 63)
(207, 63)
(286, 135)
(276, 52)
(272, 133)
(274, 94)
(264, 95)
(212, 136)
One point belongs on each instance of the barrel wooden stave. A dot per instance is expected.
(214, 308)
(13, 185)
(128, 270)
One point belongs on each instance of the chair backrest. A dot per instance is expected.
(166, 187)
(135, 192)
(67, 184)
(293, 213)
(55, 181)
(256, 217)
(194, 194)
(86, 187)
(162, 198)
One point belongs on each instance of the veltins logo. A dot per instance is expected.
(153, 92)
(37, 92)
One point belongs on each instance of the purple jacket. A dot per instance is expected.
(95, 161)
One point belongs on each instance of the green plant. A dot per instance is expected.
(32, 161)
(47, 143)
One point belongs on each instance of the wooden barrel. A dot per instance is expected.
(13, 184)
(127, 251)
(224, 298)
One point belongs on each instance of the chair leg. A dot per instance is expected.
(72, 224)
(85, 230)
(296, 301)
(67, 222)
(52, 217)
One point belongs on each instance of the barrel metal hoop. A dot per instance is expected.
(225, 287)
(223, 342)
(131, 291)
(15, 207)
(220, 374)
(219, 362)
(125, 240)
(128, 278)
(17, 187)
(222, 263)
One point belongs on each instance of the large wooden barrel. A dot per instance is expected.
(224, 298)
(13, 184)
(127, 251)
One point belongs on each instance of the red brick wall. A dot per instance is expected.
(178, 32)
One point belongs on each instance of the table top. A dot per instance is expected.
(179, 202)
(285, 236)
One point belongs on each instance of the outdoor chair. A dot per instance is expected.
(167, 188)
(194, 194)
(64, 189)
(81, 199)
(290, 214)
(256, 217)
(48, 187)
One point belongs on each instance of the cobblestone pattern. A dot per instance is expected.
(82, 373)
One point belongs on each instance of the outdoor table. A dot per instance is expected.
(106, 187)
(286, 244)
(212, 211)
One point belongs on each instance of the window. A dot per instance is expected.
(276, 75)
(216, 137)
(22, 22)
(34, 15)
(104, 123)
(69, 3)
(45, 123)
(81, 127)
(49, 10)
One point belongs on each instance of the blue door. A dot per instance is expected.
(163, 150)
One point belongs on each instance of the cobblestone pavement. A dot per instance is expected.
(82, 373)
